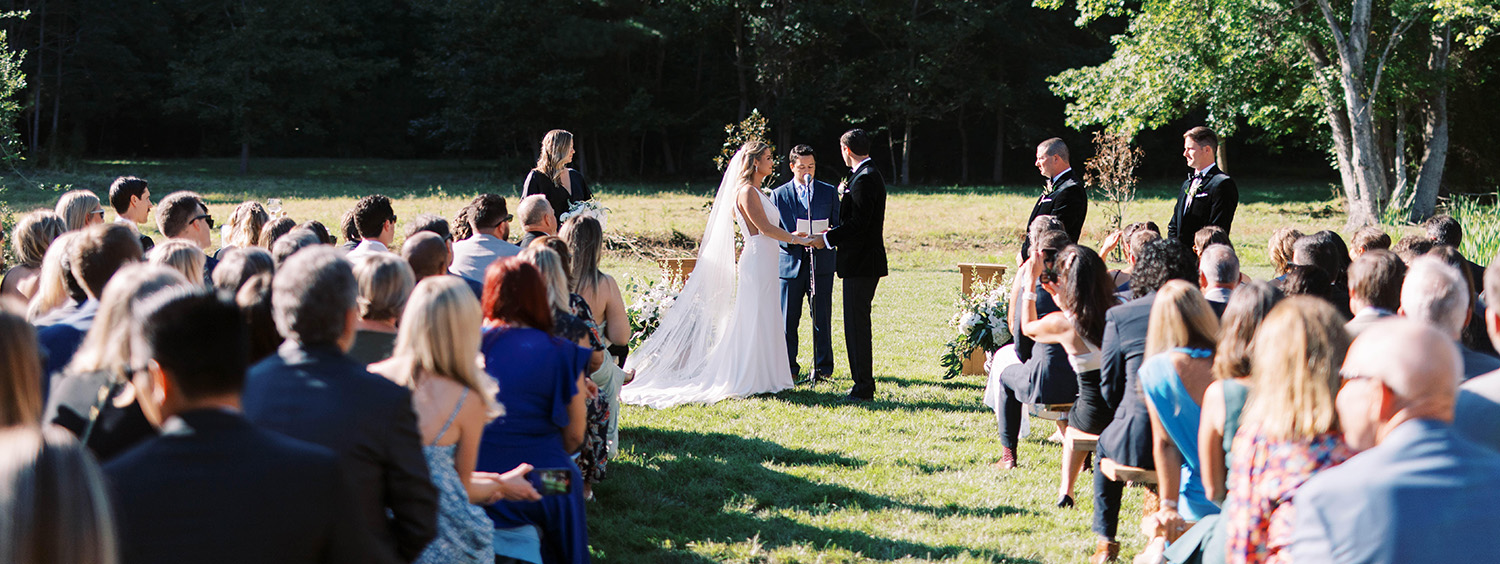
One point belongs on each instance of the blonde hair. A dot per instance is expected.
(554, 149)
(1180, 317)
(74, 208)
(1296, 358)
(551, 266)
(56, 503)
(182, 256)
(21, 372)
(34, 234)
(385, 283)
(106, 347)
(752, 150)
(1279, 248)
(440, 335)
(245, 223)
(52, 283)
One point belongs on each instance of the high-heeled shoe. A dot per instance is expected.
(1065, 501)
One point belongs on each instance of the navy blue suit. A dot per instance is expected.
(801, 272)
(214, 488)
(318, 394)
(1127, 439)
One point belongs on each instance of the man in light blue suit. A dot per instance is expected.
(807, 273)
(1419, 492)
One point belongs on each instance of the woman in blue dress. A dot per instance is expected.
(541, 386)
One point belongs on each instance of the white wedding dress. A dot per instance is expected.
(714, 342)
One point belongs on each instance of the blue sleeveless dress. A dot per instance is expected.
(1179, 416)
(463, 528)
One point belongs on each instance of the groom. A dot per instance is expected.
(807, 274)
(860, 241)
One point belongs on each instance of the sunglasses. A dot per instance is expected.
(206, 218)
(99, 213)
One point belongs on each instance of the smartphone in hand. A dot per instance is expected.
(551, 481)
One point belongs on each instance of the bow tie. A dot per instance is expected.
(1205, 175)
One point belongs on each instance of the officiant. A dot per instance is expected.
(810, 206)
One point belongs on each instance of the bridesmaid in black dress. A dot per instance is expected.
(552, 178)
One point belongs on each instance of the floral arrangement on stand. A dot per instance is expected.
(981, 321)
(588, 208)
(651, 303)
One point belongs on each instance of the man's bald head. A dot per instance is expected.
(534, 211)
(1436, 293)
(1417, 368)
(427, 254)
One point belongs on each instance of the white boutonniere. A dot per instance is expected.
(843, 186)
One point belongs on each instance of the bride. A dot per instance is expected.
(721, 338)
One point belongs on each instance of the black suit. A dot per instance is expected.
(213, 488)
(318, 394)
(1043, 376)
(860, 240)
(1213, 204)
(1127, 439)
(1068, 202)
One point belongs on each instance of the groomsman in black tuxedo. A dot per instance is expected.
(1209, 196)
(1063, 197)
(860, 240)
(807, 273)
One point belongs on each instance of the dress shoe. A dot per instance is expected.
(1065, 502)
(1107, 551)
(1007, 459)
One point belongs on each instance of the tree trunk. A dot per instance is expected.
(56, 104)
(739, 65)
(906, 155)
(1333, 113)
(36, 104)
(1434, 128)
(963, 149)
(244, 158)
(598, 158)
(666, 153)
(1369, 167)
(1398, 160)
(1221, 156)
(998, 172)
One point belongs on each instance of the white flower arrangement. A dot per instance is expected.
(981, 321)
(588, 208)
(651, 303)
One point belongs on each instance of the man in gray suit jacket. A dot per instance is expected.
(491, 225)
(1418, 492)
(1478, 413)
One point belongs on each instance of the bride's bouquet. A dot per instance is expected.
(979, 322)
(588, 208)
(651, 303)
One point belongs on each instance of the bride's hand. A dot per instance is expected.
(799, 234)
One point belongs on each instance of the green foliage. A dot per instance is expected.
(1481, 223)
(982, 321)
(736, 135)
(12, 82)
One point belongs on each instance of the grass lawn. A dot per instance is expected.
(792, 477)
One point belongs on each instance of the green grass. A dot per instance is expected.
(792, 477)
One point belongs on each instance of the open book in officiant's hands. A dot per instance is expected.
(812, 226)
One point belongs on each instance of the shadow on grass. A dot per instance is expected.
(832, 397)
(684, 488)
(964, 382)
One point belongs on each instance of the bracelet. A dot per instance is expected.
(1169, 504)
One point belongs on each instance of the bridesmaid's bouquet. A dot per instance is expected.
(651, 303)
(980, 322)
(588, 208)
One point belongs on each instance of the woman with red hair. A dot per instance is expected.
(542, 389)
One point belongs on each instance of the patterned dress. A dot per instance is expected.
(1263, 476)
(593, 457)
(464, 531)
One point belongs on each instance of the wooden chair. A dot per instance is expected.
(1049, 411)
(1080, 441)
(1121, 473)
(677, 270)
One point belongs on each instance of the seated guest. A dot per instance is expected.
(428, 222)
(460, 224)
(1411, 246)
(1435, 293)
(238, 265)
(98, 252)
(55, 288)
(1210, 235)
(1418, 492)
(245, 224)
(537, 219)
(376, 222)
(427, 255)
(385, 283)
(317, 227)
(1474, 337)
(490, 224)
(96, 397)
(1280, 249)
(1374, 288)
(311, 390)
(1131, 239)
(181, 256)
(254, 300)
(1368, 238)
(213, 487)
(80, 209)
(131, 198)
(1291, 429)
(274, 230)
(20, 373)
(1307, 280)
(1326, 250)
(1082, 292)
(1218, 274)
(596, 296)
(1177, 370)
(1127, 438)
(183, 215)
(294, 240)
(56, 503)
(29, 242)
(1477, 415)
(1043, 374)
(437, 358)
(542, 388)
(350, 231)
(1442, 229)
(1225, 398)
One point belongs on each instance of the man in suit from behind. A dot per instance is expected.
(311, 390)
(1438, 294)
(807, 273)
(1417, 491)
(213, 487)
(1218, 275)
(1209, 196)
(860, 240)
(1478, 413)
(1063, 196)
(1375, 280)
